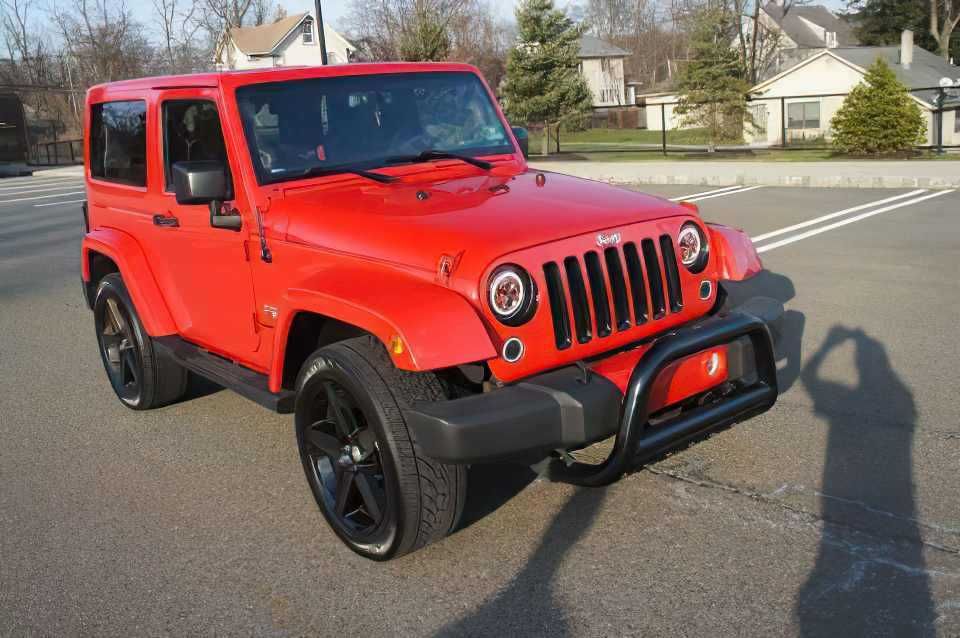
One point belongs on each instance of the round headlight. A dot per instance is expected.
(693, 247)
(512, 295)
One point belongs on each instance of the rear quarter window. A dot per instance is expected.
(118, 142)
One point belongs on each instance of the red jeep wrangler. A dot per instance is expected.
(365, 247)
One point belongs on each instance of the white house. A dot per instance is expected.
(805, 90)
(601, 65)
(290, 41)
(794, 30)
(807, 94)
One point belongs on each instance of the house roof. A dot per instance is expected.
(925, 72)
(794, 23)
(594, 47)
(264, 39)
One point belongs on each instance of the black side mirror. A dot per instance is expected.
(523, 139)
(200, 182)
(206, 182)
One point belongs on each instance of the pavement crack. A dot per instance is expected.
(811, 516)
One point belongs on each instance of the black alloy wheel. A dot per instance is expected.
(141, 377)
(343, 459)
(121, 356)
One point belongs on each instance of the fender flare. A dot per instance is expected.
(737, 257)
(138, 278)
(436, 326)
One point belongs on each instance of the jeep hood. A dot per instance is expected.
(479, 217)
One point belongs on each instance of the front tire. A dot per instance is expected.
(140, 376)
(376, 489)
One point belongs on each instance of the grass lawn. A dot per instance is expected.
(614, 145)
(603, 137)
(774, 155)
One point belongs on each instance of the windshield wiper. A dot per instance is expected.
(427, 156)
(321, 171)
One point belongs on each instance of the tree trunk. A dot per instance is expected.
(546, 138)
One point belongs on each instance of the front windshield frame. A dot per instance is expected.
(265, 176)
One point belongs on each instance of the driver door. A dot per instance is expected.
(203, 271)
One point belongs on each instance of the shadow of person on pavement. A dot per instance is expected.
(865, 587)
(526, 606)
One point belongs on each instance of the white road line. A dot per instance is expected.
(839, 213)
(849, 220)
(4, 186)
(719, 190)
(28, 191)
(72, 201)
(27, 199)
(36, 177)
(736, 192)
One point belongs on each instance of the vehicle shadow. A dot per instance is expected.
(865, 587)
(526, 606)
(490, 486)
(789, 334)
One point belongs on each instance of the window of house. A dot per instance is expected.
(118, 142)
(830, 39)
(956, 121)
(191, 132)
(803, 115)
(308, 31)
(605, 65)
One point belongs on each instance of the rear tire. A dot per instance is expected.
(141, 378)
(380, 494)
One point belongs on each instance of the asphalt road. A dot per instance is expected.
(836, 512)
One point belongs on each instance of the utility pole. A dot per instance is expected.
(320, 34)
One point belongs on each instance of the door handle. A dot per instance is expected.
(166, 221)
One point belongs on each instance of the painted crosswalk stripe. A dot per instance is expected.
(733, 192)
(718, 190)
(28, 199)
(850, 220)
(28, 191)
(72, 201)
(839, 213)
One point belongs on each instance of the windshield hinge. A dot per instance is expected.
(265, 255)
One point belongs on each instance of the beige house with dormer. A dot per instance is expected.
(290, 41)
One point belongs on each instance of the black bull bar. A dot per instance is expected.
(638, 441)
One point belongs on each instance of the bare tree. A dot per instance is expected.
(944, 17)
(178, 25)
(217, 17)
(102, 41)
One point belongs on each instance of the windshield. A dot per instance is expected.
(366, 121)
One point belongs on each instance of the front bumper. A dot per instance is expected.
(571, 407)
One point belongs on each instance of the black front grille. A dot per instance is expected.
(625, 277)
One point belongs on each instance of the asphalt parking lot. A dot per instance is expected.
(837, 511)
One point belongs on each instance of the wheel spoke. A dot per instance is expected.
(113, 313)
(131, 365)
(344, 482)
(370, 502)
(338, 412)
(326, 443)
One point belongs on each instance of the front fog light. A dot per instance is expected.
(512, 350)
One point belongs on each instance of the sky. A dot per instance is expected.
(335, 11)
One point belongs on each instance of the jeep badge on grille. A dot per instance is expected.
(604, 239)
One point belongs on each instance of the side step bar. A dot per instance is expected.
(231, 376)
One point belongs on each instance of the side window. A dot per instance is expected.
(191, 132)
(118, 142)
